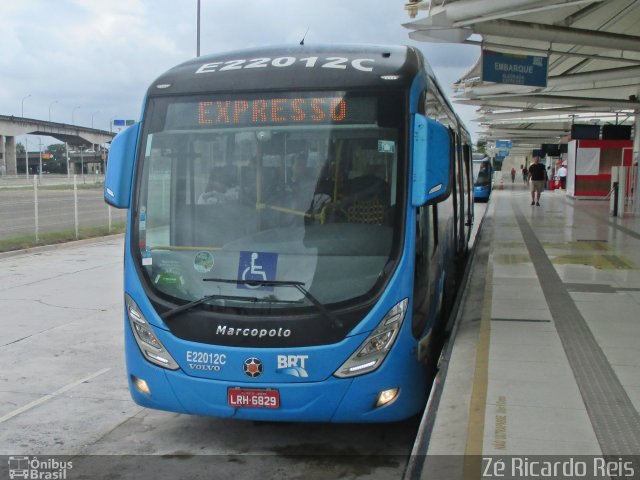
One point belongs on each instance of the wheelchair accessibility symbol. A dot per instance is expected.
(256, 268)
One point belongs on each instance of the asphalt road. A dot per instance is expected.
(63, 391)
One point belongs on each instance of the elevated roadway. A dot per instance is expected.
(11, 126)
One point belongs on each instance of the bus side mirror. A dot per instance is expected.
(431, 161)
(122, 155)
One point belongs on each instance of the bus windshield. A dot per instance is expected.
(482, 173)
(241, 196)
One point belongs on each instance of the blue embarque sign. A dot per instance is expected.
(514, 69)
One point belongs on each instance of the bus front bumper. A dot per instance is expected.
(331, 400)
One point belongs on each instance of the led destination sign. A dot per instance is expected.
(275, 110)
(282, 110)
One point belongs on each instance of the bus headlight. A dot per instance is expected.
(148, 343)
(387, 396)
(374, 349)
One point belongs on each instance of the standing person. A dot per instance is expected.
(513, 174)
(562, 174)
(537, 176)
(525, 174)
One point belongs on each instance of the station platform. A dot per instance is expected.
(545, 355)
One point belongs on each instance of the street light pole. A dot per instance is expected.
(50, 105)
(198, 31)
(72, 112)
(23, 99)
(92, 115)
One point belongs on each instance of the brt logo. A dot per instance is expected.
(293, 365)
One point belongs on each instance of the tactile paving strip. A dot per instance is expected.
(615, 421)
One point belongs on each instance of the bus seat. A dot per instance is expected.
(366, 211)
(367, 200)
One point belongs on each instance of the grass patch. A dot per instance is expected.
(50, 238)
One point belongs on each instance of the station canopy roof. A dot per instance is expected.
(593, 52)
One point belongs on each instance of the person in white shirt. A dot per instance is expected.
(562, 174)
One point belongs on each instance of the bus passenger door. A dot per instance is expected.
(462, 196)
(428, 288)
(469, 186)
(468, 197)
(456, 194)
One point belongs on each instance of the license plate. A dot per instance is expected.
(253, 398)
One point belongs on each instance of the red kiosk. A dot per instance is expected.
(589, 160)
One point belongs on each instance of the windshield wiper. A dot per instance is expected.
(206, 298)
(335, 321)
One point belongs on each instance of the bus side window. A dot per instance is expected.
(426, 266)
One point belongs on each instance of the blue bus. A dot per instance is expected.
(482, 179)
(297, 222)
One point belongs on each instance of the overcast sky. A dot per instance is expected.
(92, 60)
